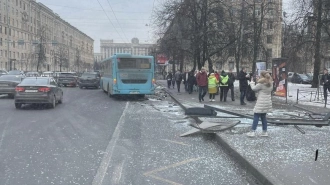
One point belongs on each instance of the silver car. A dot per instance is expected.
(38, 90)
(8, 84)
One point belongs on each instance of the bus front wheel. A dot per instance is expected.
(109, 92)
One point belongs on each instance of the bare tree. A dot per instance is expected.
(41, 47)
(62, 56)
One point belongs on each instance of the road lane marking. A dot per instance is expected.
(180, 143)
(150, 173)
(164, 180)
(116, 176)
(102, 170)
(4, 132)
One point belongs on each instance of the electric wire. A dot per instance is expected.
(110, 21)
(117, 20)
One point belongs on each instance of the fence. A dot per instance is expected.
(314, 96)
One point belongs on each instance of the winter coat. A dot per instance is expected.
(191, 79)
(264, 98)
(212, 84)
(243, 81)
(325, 80)
(178, 76)
(217, 76)
(169, 77)
(224, 80)
(231, 79)
(201, 79)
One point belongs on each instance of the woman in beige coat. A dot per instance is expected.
(264, 102)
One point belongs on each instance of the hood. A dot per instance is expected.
(264, 81)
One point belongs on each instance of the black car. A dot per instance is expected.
(8, 84)
(91, 79)
(66, 79)
(38, 90)
(300, 78)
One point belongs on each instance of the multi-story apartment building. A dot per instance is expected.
(257, 19)
(108, 48)
(22, 22)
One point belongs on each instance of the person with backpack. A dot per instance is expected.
(223, 86)
(264, 103)
(212, 86)
(178, 79)
(231, 84)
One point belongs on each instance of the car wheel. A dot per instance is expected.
(18, 105)
(53, 104)
(61, 100)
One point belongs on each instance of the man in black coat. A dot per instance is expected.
(243, 78)
(325, 81)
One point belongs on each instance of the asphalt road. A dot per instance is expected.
(95, 140)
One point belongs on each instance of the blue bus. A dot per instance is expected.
(126, 74)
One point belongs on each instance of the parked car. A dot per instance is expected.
(3, 72)
(48, 74)
(66, 79)
(290, 75)
(36, 90)
(91, 79)
(8, 84)
(300, 78)
(32, 74)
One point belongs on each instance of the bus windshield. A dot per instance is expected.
(134, 63)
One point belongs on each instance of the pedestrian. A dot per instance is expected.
(173, 80)
(212, 86)
(325, 80)
(223, 85)
(178, 79)
(264, 102)
(231, 84)
(201, 79)
(169, 80)
(191, 81)
(243, 84)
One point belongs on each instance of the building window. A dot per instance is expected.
(231, 65)
(269, 53)
(0, 41)
(0, 29)
(269, 39)
(271, 11)
(270, 25)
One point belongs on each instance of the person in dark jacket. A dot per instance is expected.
(191, 81)
(231, 84)
(325, 81)
(169, 80)
(243, 78)
(202, 81)
(178, 79)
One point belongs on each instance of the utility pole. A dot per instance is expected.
(8, 58)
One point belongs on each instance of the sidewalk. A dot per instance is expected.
(286, 157)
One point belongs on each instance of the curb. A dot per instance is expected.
(258, 174)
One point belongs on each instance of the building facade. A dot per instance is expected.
(27, 24)
(109, 48)
(98, 57)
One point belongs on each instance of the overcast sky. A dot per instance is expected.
(121, 21)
